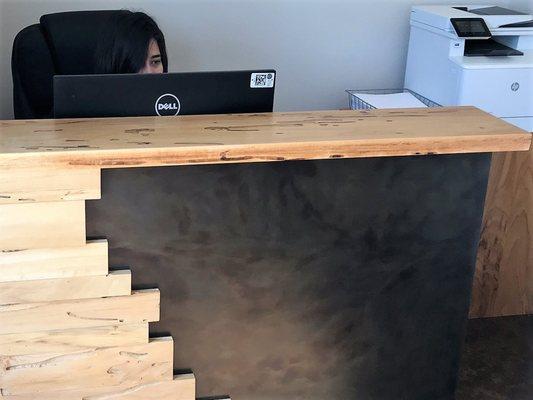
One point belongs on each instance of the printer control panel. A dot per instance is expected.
(476, 28)
(471, 28)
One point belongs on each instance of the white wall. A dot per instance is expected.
(524, 5)
(319, 47)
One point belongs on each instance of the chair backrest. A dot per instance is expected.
(60, 44)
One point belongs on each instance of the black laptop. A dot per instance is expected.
(81, 96)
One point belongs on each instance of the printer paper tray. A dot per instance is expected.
(489, 48)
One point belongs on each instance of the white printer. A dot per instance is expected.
(473, 55)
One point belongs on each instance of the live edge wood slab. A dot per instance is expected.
(149, 141)
(343, 272)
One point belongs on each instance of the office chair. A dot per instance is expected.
(60, 44)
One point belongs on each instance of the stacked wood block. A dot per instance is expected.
(70, 328)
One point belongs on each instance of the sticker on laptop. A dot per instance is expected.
(262, 80)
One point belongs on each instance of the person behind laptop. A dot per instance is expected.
(131, 43)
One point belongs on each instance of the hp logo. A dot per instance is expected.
(515, 86)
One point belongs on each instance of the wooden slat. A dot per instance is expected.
(99, 367)
(48, 184)
(503, 283)
(142, 306)
(182, 387)
(72, 340)
(87, 260)
(38, 225)
(214, 139)
(117, 283)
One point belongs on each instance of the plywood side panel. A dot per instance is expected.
(99, 367)
(48, 263)
(38, 225)
(73, 340)
(117, 283)
(503, 282)
(142, 306)
(48, 184)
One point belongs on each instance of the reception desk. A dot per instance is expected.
(305, 255)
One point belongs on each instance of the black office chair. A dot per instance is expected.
(61, 44)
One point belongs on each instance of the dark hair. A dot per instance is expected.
(123, 44)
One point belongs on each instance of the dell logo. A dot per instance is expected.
(515, 86)
(167, 104)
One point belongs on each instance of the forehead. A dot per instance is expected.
(153, 47)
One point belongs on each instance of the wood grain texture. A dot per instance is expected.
(117, 283)
(73, 340)
(99, 367)
(49, 263)
(183, 385)
(142, 306)
(38, 225)
(503, 282)
(205, 139)
(48, 184)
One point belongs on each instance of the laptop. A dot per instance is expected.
(122, 95)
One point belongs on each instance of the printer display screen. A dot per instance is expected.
(471, 27)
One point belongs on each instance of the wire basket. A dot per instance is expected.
(356, 103)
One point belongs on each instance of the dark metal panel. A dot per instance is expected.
(337, 279)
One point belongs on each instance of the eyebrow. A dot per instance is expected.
(156, 56)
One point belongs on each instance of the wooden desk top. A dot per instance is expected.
(211, 139)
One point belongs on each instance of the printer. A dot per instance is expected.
(473, 55)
